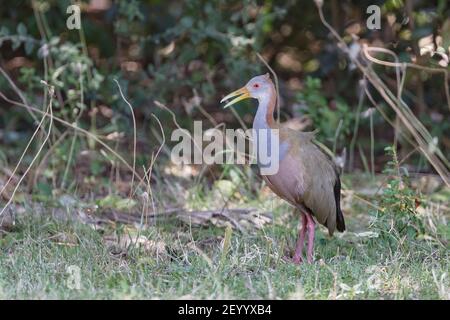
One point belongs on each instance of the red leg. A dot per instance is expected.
(300, 241)
(310, 226)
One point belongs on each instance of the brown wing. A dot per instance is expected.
(320, 179)
(307, 178)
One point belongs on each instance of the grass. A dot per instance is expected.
(174, 259)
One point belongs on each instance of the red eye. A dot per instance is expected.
(256, 85)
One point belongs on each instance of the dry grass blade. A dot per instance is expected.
(134, 135)
(24, 152)
(19, 93)
(422, 137)
(226, 245)
(74, 127)
(148, 174)
(199, 148)
(49, 113)
(397, 64)
(276, 84)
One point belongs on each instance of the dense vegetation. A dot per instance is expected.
(72, 198)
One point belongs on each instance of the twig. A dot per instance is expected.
(407, 64)
(24, 152)
(134, 135)
(164, 107)
(356, 127)
(19, 93)
(352, 194)
(148, 175)
(414, 126)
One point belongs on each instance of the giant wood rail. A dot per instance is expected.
(306, 178)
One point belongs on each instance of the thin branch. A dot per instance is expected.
(426, 145)
(134, 134)
(48, 112)
(19, 93)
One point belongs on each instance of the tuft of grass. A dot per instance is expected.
(174, 259)
(398, 218)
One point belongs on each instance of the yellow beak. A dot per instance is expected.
(242, 93)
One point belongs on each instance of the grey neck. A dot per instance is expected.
(260, 121)
(265, 136)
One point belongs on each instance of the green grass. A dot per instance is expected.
(178, 260)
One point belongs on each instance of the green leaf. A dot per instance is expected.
(21, 29)
(187, 22)
(4, 31)
(44, 189)
(116, 202)
(96, 167)
(29, 46)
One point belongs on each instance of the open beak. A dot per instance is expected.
(242, 94)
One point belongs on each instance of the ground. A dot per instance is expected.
(44, 249)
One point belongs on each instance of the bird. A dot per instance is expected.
(306, 177)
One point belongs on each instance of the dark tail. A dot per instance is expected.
(340, 223)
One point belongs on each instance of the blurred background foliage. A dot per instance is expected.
(188, 54)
